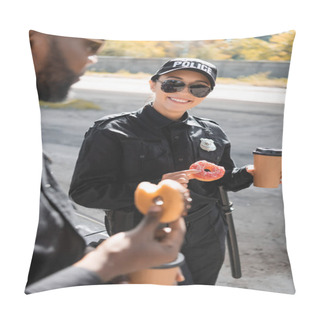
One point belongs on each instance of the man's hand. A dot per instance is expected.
(142, 247)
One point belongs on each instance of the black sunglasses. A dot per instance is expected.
(198, 90)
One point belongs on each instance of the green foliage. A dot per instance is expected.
(282, 46)
(138, 49)
(276, 47)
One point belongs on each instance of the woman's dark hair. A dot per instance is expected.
(155, 78)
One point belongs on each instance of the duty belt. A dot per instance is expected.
(202, 211)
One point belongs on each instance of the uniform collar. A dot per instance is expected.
(159, 121)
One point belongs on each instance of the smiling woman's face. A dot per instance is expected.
(174, 105)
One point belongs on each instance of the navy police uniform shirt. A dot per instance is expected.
(122, 150)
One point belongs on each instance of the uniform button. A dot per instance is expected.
(142, 156)
(180, 159)
(176, 137)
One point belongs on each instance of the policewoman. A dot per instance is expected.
(160, 141)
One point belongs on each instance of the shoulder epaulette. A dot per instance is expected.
(112, 117)
(206, 119)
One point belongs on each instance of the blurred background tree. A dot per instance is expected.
(276, 47)
(281, 46)
(138, 49)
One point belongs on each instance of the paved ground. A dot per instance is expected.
(250, 116)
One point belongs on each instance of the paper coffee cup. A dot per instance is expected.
(267, 167)
(165, 274)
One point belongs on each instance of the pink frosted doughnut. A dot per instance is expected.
(209, 171)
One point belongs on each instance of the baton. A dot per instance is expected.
(231, 234)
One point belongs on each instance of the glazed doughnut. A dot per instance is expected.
(168, 192)
(209, 171)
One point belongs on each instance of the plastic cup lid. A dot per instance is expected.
(268, 151)
(176, 263)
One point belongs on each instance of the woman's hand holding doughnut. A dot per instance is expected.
(171, 193)
(182, 177)
(201, 170)
(207, 171)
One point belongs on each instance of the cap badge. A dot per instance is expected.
(207, 144)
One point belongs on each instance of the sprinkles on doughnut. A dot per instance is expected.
(209, 171)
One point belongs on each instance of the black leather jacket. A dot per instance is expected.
(122, 150)
(58, 245)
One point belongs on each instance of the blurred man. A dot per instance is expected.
(61, 257)
(60, 62)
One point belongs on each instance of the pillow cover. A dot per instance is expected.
(247, 102)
